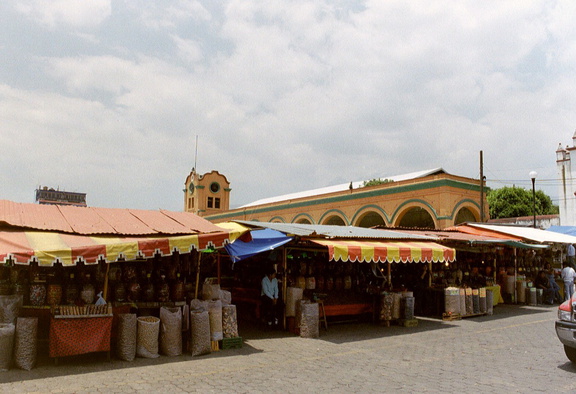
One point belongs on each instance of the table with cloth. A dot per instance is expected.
(497, 296)
(71, 336)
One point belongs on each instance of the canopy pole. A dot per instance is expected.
(105, 291)
(429, 274)
(389, 276)
(219, 270)
(284, 283)
(515, 277)
(197, 275)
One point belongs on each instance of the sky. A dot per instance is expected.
(121, 99)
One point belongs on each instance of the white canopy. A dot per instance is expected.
(528, 233)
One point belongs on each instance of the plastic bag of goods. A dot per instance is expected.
(126, 336)
(147, 339)
(229, 321)
(6, 344)
(25, 342)
(210, 292)
(225, 297)
(462, 301)
(386, 302)
(215, 313)
(200, 333)
(396, 305)
(475, 301)
(452, 300)
(489, 302)
(482, 294)
(171, 331)
(293, 295)
(198, 305)
(309, 323)
(9, 306)
(521, 291)
(408, 308)
(469, 302)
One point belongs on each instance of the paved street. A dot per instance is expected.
(516, 350)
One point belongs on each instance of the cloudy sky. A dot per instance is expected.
(107, 97)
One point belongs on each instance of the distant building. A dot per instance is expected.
(50, 196)
(425, 199)
(206, 194)
(567, 191)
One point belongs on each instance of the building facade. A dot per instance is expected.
(206, 194)
(567, 192)
(427, 199)
(50, 196)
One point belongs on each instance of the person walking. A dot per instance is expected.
(568, 275)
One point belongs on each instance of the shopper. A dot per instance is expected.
(269, 296)
(571, 254)
(552, 282)
(568, 275)
(543, 283)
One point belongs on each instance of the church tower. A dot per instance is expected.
(206, 194)
(567, 192)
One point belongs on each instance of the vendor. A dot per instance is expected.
(543, 283)
(269, 296)
(475, 280)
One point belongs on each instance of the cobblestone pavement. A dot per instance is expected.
(515, 350)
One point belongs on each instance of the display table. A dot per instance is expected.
(73, 335)
(497, 296)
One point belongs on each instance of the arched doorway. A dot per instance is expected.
(370, 219)
(334, 221)
(417, 217)
(303, 221)
(465, 215)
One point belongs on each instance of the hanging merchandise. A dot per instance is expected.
(54, 294)
(148, 293)
(37, 293)
(147, 339)
(88, 293)
(177, 290)
(171, 331)
(126, 336)
(163, 290)
(26, 342)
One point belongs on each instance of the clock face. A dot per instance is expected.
(191, 187)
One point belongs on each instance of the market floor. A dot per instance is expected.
(515, 350)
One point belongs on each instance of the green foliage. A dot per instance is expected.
(376, 181)
(509, 202)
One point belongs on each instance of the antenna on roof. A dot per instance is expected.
(196, 154)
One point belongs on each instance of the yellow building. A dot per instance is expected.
(206, 194)
(425, 199)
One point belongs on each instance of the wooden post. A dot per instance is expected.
(198, 275)
(218, 267)
(105, 291)
(284, 284)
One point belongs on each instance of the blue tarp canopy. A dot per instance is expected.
(568, 230)
(262, 241)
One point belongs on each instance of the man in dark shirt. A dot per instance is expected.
(543, 283)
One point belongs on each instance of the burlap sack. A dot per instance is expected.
(147, 339)
(126, 337)
(215, 312)
(26, 342)
(229, 321)
(294, 294)
(210, 292)
(9, 307)
(6, 345)
(309, 323)
(200, 333)
(170, 331)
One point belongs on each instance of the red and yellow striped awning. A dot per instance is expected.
(48, 248)
(383, 251)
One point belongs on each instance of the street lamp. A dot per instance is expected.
(533, 177)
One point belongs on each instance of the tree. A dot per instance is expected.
(376, 181)
(509, 202)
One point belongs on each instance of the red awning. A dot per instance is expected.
(47, 248)
(387, 251)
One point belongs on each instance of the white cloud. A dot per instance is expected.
(80, 14)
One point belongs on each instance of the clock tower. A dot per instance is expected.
(206, 194)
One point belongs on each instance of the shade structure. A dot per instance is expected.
(262, 240)
(48, 248)
(384, 251)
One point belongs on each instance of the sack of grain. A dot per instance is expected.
(294, 294)
(26, 342)
(6, 344)
(126, 336)
(229, 321)
(9, 307)
(200, 333)
(215, 313)
(309, 323)
(147, 340)
(210, 292)
(170, 331)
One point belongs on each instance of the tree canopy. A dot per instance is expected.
(376, 181)
(509, 202)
